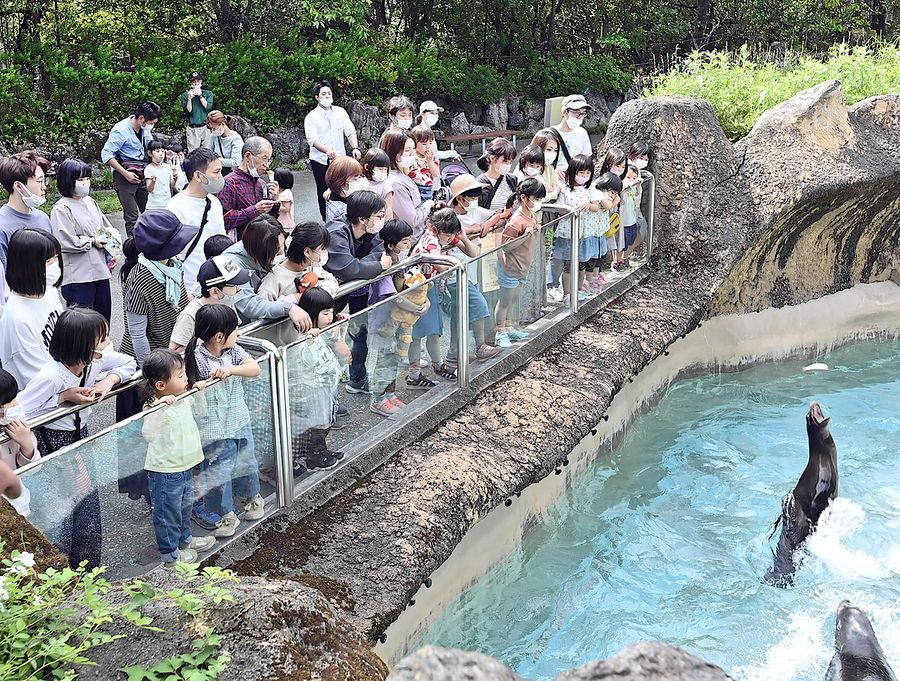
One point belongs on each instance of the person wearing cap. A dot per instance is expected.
(196, 104)
(428, 115)
(575, 138)
(325, 128)
(198, 205)
(219, 279)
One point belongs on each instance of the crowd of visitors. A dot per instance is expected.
(212, 242)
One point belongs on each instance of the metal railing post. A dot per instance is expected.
(574, 262)
(462, 326)
(652, 211)
(284, 465)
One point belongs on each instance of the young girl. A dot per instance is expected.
(531, 164)
(376, 169)
(638, 158)
(314, 375)
(285, 180)
(160, 177)
(81, 353)
(21, 448)
(307, 253)
(426, 170)
(440, 229)
(225, 432)
(610, 186)
(175, 158)
(515, 261)
(173, 450)
(579, 194)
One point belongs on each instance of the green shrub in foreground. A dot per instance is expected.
(740, 88)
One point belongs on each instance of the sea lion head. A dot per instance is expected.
(817, 423)
(854, 637)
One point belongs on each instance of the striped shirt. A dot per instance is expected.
(146, 296)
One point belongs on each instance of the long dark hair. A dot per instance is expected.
(260, 240)
(313, 301)
(210, 320)
(130, 251)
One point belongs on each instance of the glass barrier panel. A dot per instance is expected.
(358, 381)
(96, 501)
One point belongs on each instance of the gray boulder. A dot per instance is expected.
(444, 664)
(242, 127)
(614, 101)
(515, 111)
(168, 140)
(599, 113)
(288, 145)
(92, 144)
(459, 124)
(534, 115)
(647, 661)
(497, 115)
(370, 122)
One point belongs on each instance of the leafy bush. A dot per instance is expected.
(740, 87)
(553, 77)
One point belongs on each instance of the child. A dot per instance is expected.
(160, 177)
(21, 448)
(390, 331)
(315, 374)
(219, 279)
(173, 450)
(227, 438)
(531, 164)
(515, 261)
(285, 180)
(638, 158)
(425, 170)
(611, 185)
(215, 245)
(441, 227)
(307, 252)
(175, 156)
(579, 194)
(376, 168)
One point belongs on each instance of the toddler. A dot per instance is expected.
(425, 169)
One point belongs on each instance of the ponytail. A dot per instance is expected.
(210, 320)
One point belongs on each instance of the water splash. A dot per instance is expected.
(798, 654)
(831, 545)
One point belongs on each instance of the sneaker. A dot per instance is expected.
(487, 351)
(554, 295)
(601, 280)
(338, 424)
(321, 462)
(516, 335)
(255, 508)
(397, 402)
(583, 295)
(184, 556)
(358, 388)
(567, 299)
(200, 543)
(383, 408)
(336, 455)
(204, 519)
(420, 383)
(298, 469)
(227, 525)
(503, 341)
(342, 412)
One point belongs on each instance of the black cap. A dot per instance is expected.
(159, 234)
(221, 271)
(195, 75)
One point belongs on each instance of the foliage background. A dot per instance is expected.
(69, 66)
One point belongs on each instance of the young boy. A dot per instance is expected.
(426, 168)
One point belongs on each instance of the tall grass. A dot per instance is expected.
(740, 86)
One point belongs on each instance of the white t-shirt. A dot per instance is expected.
(25, 330)
(329, 127)
(577, 142)
(280, 282)
(162, 190)
(189, 210)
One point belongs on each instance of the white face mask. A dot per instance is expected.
(582, 179)
(227, 300)
(104, 353)
(374, 225)
(322, 260)
(217, 132)
(405, 123)
(616, 170)
(82, 189)
(359, 184)
(379, 176)
(504, 168)
(213, 185)
(325, 102)
(14, 413)
(639, 163)
(472, 207)
(147, 127)
(574, 122)
(550, 157)
(253, 172)
(31, 200)
(531, 171)
(53, 274)
(430, 119)
(406, 162)
(536, 208)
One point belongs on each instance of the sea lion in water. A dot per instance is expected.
(801, 509)
(857, 653)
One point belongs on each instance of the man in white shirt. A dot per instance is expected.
(325, 128)
(197, 205)
(576, 139)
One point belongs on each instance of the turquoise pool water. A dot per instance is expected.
(667, 537)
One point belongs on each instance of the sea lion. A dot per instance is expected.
(857, 654)
(801, 509)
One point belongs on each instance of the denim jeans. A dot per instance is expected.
(172, 495)
(232, 470)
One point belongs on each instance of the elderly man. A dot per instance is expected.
(249, 191)
(575, 138)
(196, 104)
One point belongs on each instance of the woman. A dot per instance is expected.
(407, 204)
(224, 141)
(401, 112)
(344, 176)
(499, 183)
(78, 224)
(355, 252)
(153, 295)
(550, 142)
(33, 271)
(376, 169)
(429, 113)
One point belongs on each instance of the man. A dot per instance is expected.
(23, 175)
(246, 194)
(325, 128)
(197, 205)
(574, 109)
(125, 152)
(196, 104)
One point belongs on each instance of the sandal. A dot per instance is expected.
(444, 370)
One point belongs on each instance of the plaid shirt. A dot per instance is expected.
(239, 198)
(226, 409)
